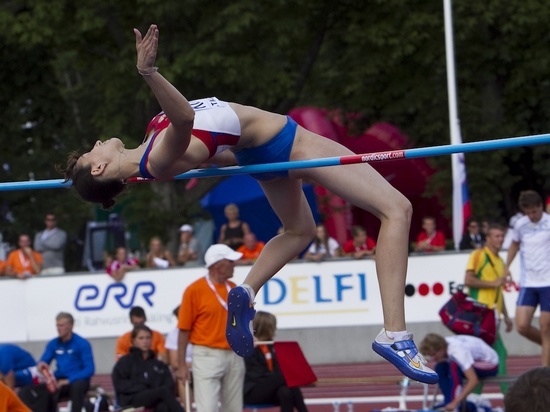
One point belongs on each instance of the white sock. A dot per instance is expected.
(388, 337)
(250, 291)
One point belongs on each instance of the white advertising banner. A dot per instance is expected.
(301, 295)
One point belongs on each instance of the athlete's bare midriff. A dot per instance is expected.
(257, 126)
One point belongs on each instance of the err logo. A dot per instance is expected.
(92, 298)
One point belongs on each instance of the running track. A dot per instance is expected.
(370, 380)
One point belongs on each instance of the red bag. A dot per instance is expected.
(466, 316)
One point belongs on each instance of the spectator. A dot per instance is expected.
(51, 244)
(232, 233)
(531, 237)
(9, 401)
(141, 380)
(121, 264)
(473, 238)
(74, 362)
(218, 372)
(429, 239)
(360, 246)
(264, 381)
(172, 349)
(124, 342)
(485, 278)
(530, 392)
(158, 256)
(323, 246)
(459, 357)
(188, 250)
(18, 366)
(250, 249)
(24, 262)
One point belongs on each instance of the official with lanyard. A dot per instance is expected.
(218, 373)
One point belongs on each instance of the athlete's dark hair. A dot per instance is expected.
(87, 186)
(529, 198)
(530, 393)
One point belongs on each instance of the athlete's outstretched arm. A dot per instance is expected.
(173, 103)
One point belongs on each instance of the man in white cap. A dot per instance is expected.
(188, 250)
(218, 372)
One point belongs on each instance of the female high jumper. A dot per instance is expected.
(189, 133)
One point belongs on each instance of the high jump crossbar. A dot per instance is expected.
(480, 146)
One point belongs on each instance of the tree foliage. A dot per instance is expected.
(68, 78)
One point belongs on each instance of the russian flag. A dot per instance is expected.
(462, 209)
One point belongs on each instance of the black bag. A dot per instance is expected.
(98, 403)
(37, 398)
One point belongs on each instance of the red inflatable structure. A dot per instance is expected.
(408, 176)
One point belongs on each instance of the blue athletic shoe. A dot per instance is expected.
(404, 356)
(240, 312)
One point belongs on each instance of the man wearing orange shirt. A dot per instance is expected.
(250, 249)
(218, 372)
(124, 342)
(23, 262)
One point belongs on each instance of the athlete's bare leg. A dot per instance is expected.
(544, 322)
(288, 201)
(524, 317)
(362, 186)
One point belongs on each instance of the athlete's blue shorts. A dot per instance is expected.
(276, 150)
(534, 297)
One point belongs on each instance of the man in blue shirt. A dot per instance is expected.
(74, 360)
(17, 366)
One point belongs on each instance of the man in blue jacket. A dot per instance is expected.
(17, 366)
(74, 360)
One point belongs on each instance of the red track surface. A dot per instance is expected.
(369, 380)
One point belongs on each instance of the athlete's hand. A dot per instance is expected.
(146, 47)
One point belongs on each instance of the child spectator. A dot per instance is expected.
(323, 246)
(158, 256)
(360, 246)
(429, 239)
(121, 264)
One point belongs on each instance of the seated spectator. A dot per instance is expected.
(251, 249)
(158, 256)
(459, 358)
(121, 264)
(473, 238)
(18, 367)
(74, 362)
(360, 246)
(23, 262)
(9, 401)
(124, 342)
(188, 250)
(141, 380)
(429, 239)
(232, 233)
(530, 393)
(323, 246)
(264, 381)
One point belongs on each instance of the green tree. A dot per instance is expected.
(68, 70)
